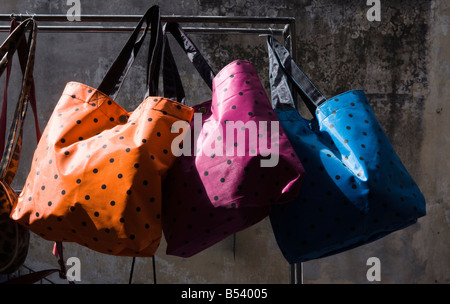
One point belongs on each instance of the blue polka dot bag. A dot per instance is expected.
(356, 189)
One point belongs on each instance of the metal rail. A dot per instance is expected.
(164, 18)
(123, 29)
(81, 27)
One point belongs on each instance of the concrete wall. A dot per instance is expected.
(403, 64)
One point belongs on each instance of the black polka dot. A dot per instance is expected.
(111, 160)
(87, 197)
(103, 187)
(112, 203)
(120, 175)
(96, 214)
(78, 181)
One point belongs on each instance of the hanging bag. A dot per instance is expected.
(357, 190)
(96, 174)
(14, 239)
(209, 193)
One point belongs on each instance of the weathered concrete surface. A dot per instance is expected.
(403, 64)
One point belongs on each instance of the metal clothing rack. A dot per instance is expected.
(240, 27)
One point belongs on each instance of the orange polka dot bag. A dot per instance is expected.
(96, 174)
(357, 189)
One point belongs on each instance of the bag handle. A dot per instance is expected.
(284, 69)
(22, 52)
(115, 76)
(14, 139)
(171, 78)
(40, 275)
(172, 85)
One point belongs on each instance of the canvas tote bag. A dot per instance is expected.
(357, 189)
(97, 172)
(14, 239)
(212, 194)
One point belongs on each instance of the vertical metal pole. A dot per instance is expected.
(296, 274)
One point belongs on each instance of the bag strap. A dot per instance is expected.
(115, 76)
(22, 52)
(282, 70)
(40, 275)
(172, 85)
(14, 139)
(171, 78)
